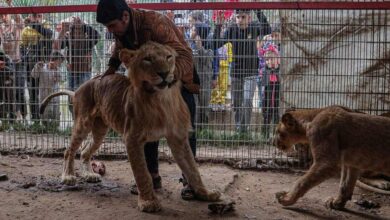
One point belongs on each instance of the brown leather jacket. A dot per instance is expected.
(152, 26)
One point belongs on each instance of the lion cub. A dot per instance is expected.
(338, 137)
(145, 106)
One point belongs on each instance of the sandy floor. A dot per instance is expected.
(33, 192)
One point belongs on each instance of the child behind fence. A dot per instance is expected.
(49, 76)
(271, 82)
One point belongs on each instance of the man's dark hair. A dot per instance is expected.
(56, 55)
(109, 10)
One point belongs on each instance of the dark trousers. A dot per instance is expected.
(151, 148)
(6, 95)
(33, 85)
(271, 106)
(20, 79)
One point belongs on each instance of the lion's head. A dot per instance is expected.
(289, 132)
(151, 67)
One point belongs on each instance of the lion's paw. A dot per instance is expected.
(92, 177)
(149, 205)
(333, 203)
(213, 196)
(69, 180)
(205, 195)
(283, 198)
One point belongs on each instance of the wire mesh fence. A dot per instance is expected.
(249, 75)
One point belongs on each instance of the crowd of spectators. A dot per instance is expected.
(230, 48)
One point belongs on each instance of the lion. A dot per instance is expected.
(337, 137)
(143, 107)
(368, 180)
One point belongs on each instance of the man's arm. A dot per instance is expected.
(114, 62)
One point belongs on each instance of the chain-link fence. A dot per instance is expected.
(249, 75)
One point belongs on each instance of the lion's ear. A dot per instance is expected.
(126, 55)
(288, 120)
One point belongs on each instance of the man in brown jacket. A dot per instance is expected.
(131, 29)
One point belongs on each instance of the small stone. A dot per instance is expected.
(24, 157)
(28, 185)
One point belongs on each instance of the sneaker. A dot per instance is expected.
(187, 193)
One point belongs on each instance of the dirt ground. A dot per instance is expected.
(33, 191)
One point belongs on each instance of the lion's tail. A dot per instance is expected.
(46, 101)
(362, 185)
